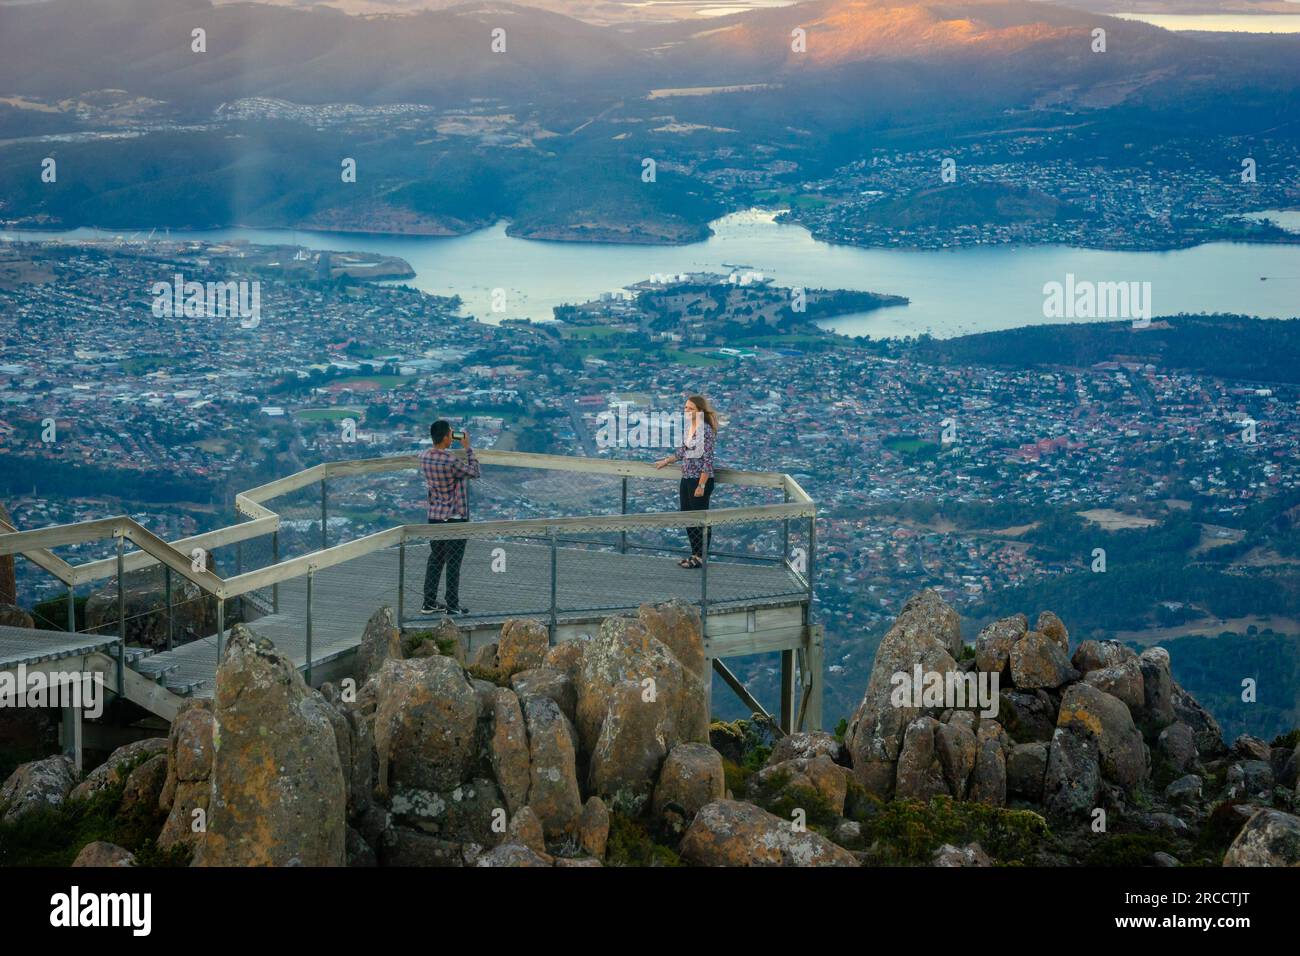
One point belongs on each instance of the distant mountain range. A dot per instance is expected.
(62, 48)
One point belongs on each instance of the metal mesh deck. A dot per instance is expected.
(590, 585)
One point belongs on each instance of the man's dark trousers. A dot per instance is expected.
(448, 552)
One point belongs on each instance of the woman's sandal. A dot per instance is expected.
(692, 562)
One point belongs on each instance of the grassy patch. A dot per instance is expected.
(53, 836)
(630, 844)
(908, 831)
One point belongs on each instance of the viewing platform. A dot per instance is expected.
(570, 572)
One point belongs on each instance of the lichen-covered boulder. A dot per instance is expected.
(1208, 733)
(1177, 746)
(624, 650)
(1054, 628)
(547, 682)
(805, 744)
(920, 773)
(40, 783)
(566, 657)
(1124, 756)
(508, 748)
(972, 854)
(732, 833)
(1072, 781)
(380, 641)
(988, 782)
(512, 854)
(553, 782)
(1026, 769)
(690, 777)
(1039, 661)
(425, 725)
(279, 797)
(927, 633)
(592, 828)
(956, 745)
(1089, 711)
(526, 830)
(113, 770)
(1269, 838)
(1123, 680)
(522, 644)
(187, 789)
(1027, 715)
(143, 786)
(1157, 686)
(103, 854)
(820, 776)
(635, 737)
(993, 645)
(1092, 655)
(676, 625)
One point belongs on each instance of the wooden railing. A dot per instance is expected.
(175, 557)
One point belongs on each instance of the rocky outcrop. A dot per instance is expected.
(186, 790)
(927, 634)
(425, 725)
(103, 854)
(732, 833)
(1269, 838)
(120, 762)
(41, 783)
(380, 641)
(691, 777)
(523, 645)
(278, 794)
(553, 781)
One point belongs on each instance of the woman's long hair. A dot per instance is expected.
(707, 410)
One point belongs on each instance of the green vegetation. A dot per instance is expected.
(630, 844)
(692, 359)
(54, 835)
(908, 831)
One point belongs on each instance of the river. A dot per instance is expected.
(952, 291)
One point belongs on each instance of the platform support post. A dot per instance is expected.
(324, 517)
(121, 618)
(401, 582)
(555, 574)
(167, 589)
(787, 691)
(72, 731)
(622, 537)
(72, 609)
(811, 706)
(311, 579)
(275, 559)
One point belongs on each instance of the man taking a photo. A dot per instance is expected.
(444, 477)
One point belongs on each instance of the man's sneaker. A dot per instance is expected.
(433, 608)
(457, 610)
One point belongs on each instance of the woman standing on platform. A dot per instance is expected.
(696, 456)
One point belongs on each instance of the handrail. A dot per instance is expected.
(35, 544)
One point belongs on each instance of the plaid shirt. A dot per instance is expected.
(444, 475)
(697, 456)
